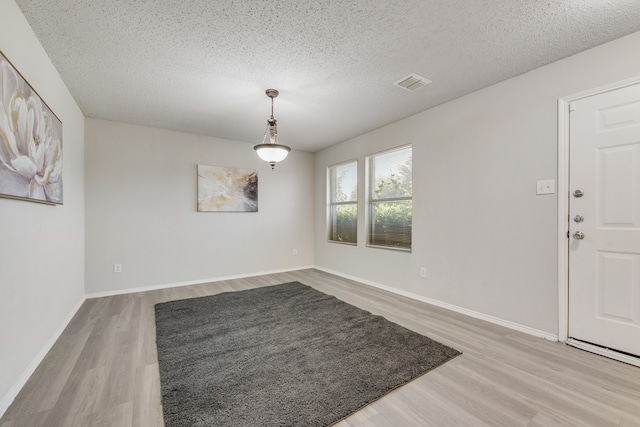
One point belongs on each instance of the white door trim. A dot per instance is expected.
(563, 198)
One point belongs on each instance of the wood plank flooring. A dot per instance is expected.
(103, 370)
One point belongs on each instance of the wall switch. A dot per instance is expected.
(117, 268)
(423, 272)
(295, 252)
(546, 186)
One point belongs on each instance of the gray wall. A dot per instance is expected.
(141, 210)
(41, 247)
(489, 243)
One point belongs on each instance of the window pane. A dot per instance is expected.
(392, 174)
(391, 178)
(345, 183)
(344, 223)
(343, 202)
(391, 224)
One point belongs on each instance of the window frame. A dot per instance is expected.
(370, 200)
(331, 203)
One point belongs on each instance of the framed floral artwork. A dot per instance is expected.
(224, 189)
(30, 141)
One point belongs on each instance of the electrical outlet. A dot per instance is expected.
(294, 252)
(117, 268)
(423, 272)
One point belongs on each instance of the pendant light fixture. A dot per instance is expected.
(270, 151)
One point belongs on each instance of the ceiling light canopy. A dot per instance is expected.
(271, 151)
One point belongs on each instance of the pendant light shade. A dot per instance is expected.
(270, 150)
(272, 153)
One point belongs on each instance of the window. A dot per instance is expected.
(390, 198)
(343, 202)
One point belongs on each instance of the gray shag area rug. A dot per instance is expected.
(283, 355)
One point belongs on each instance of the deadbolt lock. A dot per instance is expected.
(578, 218)
(578, 193)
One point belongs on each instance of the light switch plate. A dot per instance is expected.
(546, 186)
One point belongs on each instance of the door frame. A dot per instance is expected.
(563, 198)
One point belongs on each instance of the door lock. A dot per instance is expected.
(578, 235)
(578, 193)
(578, 218)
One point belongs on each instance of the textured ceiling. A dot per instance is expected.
(202, 66)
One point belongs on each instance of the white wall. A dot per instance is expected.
(141, 210)
(488, 242)
(41, 246)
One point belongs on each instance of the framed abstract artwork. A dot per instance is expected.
(224, 189)
(30, 141)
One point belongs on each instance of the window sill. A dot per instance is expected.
(342, 243)
(392, 248)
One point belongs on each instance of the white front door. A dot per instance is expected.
(604, 220)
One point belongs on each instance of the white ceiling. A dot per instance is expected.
(202, 66)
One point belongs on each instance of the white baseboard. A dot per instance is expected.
(190, 282)
(8, 398)
(457, 309)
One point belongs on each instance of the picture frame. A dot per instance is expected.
(30, 141)
(227, 189)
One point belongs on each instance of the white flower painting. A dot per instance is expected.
(223, 189)
(30, 141)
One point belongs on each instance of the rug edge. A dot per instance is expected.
(230, 292)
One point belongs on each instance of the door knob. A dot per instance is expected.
(578, 218)
(578, 193)
(578, 235)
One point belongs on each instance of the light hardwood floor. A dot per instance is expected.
(103, 370)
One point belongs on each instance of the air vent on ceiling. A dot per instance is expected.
(412, 82)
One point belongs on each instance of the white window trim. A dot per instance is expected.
(368, 202)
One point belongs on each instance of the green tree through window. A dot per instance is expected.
(390, 199)
(343, 202)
